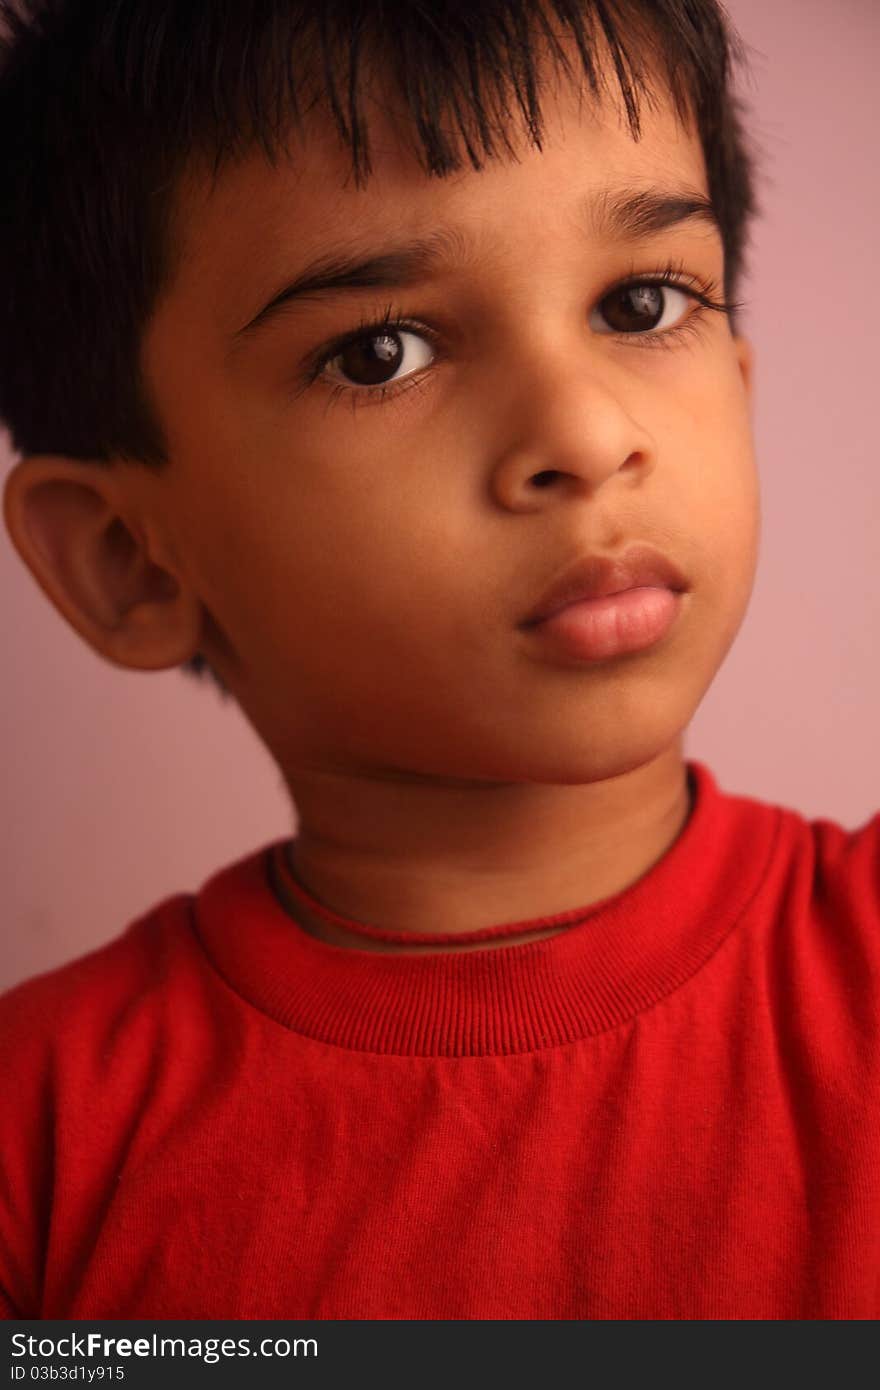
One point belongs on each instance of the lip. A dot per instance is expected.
(598, 576)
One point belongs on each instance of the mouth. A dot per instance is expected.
(604, 606)
(596, 629)
(592, 577)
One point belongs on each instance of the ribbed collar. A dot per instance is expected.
(618, 958)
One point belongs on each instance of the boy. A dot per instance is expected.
(529, 1019)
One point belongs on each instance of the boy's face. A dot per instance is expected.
(367, 561)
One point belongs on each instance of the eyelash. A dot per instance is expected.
(668, 274)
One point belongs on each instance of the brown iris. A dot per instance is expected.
(634, 305)
(371, 359)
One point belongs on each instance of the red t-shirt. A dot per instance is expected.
(670, 1109)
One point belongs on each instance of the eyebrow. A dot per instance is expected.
(624, 214)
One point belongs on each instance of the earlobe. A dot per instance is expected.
(68, 522)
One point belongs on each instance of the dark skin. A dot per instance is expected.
(356, 570)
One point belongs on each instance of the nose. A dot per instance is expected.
(566, 425)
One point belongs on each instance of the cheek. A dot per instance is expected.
(730, 542)
(334, 568)
(716, 507)
(725, 480)
(735, 495)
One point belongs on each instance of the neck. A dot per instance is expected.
(416, 858)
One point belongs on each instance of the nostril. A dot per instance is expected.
(542, 479)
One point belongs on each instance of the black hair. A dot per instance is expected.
(105, 103)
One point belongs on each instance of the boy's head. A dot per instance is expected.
(318, 351)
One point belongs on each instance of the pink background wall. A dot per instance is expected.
(122, 788)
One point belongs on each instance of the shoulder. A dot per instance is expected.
(845, 903)
(816, 877)
(817, 926)
(806, 892)
(76, 1044)
(148, 995)
(833, 876)
(851, 857)
(64, 1007)
(798, 880)
(823, 885)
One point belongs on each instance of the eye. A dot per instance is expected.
(378, 357)
(641, 306)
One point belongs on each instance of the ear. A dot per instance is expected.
(745, 356)
(70, 522)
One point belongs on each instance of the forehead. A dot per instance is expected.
(258, 220)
